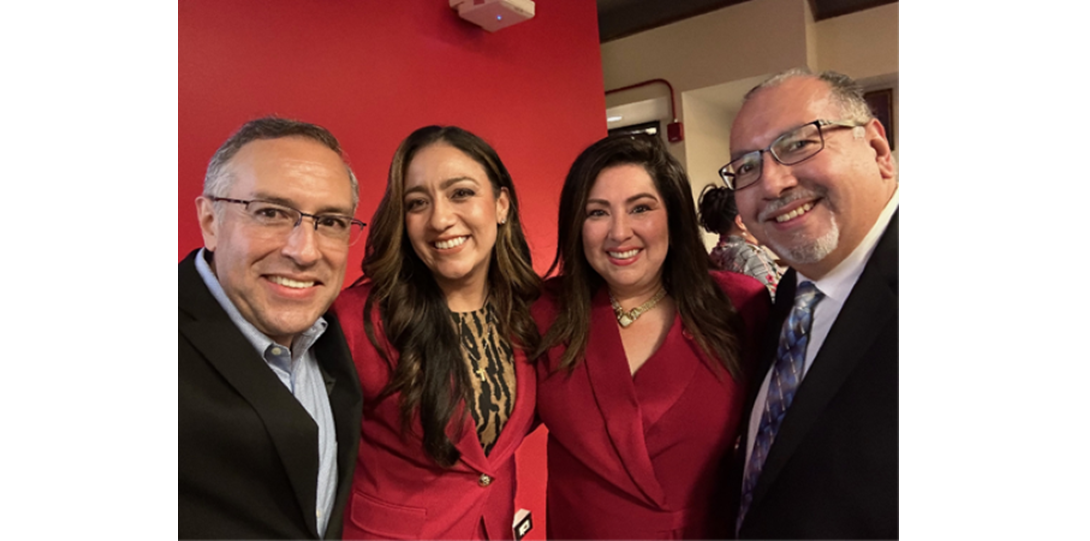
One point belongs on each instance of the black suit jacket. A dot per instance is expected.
(832, 470)
(247, 450)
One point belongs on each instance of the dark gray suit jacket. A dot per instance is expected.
(247, 450)
(832, 470)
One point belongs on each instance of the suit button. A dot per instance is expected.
(484, 480)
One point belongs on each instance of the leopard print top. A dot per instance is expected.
(490, 361)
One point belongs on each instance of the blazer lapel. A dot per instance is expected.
(870, 307)
(346, 402)
(234, 358)
(521, 413)
(611, 382)
(668, 373)
(467, 442)
(513, 430)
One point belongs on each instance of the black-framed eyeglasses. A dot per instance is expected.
(279, 220)
(790, 148)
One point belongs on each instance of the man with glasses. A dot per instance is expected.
(269, 402)
(815, 181)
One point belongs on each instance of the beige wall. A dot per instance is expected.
(710, 112)
(862, 44)
(739, 41)
(708, 133)
(725, 45)
(811, 38)
(711, 61)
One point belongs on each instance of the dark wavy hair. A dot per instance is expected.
(706, 311)
(717, 209)
(431, 374)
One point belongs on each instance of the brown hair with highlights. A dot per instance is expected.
(431, 374)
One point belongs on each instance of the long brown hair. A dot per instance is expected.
(431, 374)
(706, 311)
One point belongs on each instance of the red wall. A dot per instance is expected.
(372, 71)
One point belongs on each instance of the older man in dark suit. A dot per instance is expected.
(815, 180)
(268, 399)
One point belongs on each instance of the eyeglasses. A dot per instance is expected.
(279, 220)
(790, 148)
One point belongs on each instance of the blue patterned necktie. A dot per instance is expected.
(786, 376)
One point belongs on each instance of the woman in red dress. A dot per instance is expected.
(645, 352)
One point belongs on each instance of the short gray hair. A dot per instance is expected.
(217, 180)
(847, 93)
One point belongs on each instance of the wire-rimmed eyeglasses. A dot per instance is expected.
(790, 148)
(279, 220)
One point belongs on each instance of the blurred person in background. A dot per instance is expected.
(736, 250)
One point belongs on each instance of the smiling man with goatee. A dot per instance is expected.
(815, 181)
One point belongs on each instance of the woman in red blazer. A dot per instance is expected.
(644, 354)
(438, 327)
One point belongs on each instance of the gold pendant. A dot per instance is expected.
(627, 318)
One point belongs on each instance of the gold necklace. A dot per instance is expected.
(629, 317)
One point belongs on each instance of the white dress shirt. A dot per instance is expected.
(836, 285)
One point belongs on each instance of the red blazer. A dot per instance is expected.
(398, 491)
(643, 456)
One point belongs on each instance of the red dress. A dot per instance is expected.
(643, 456)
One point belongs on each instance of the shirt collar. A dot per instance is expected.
(258, 339)
(728, 240)
(839, 282)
